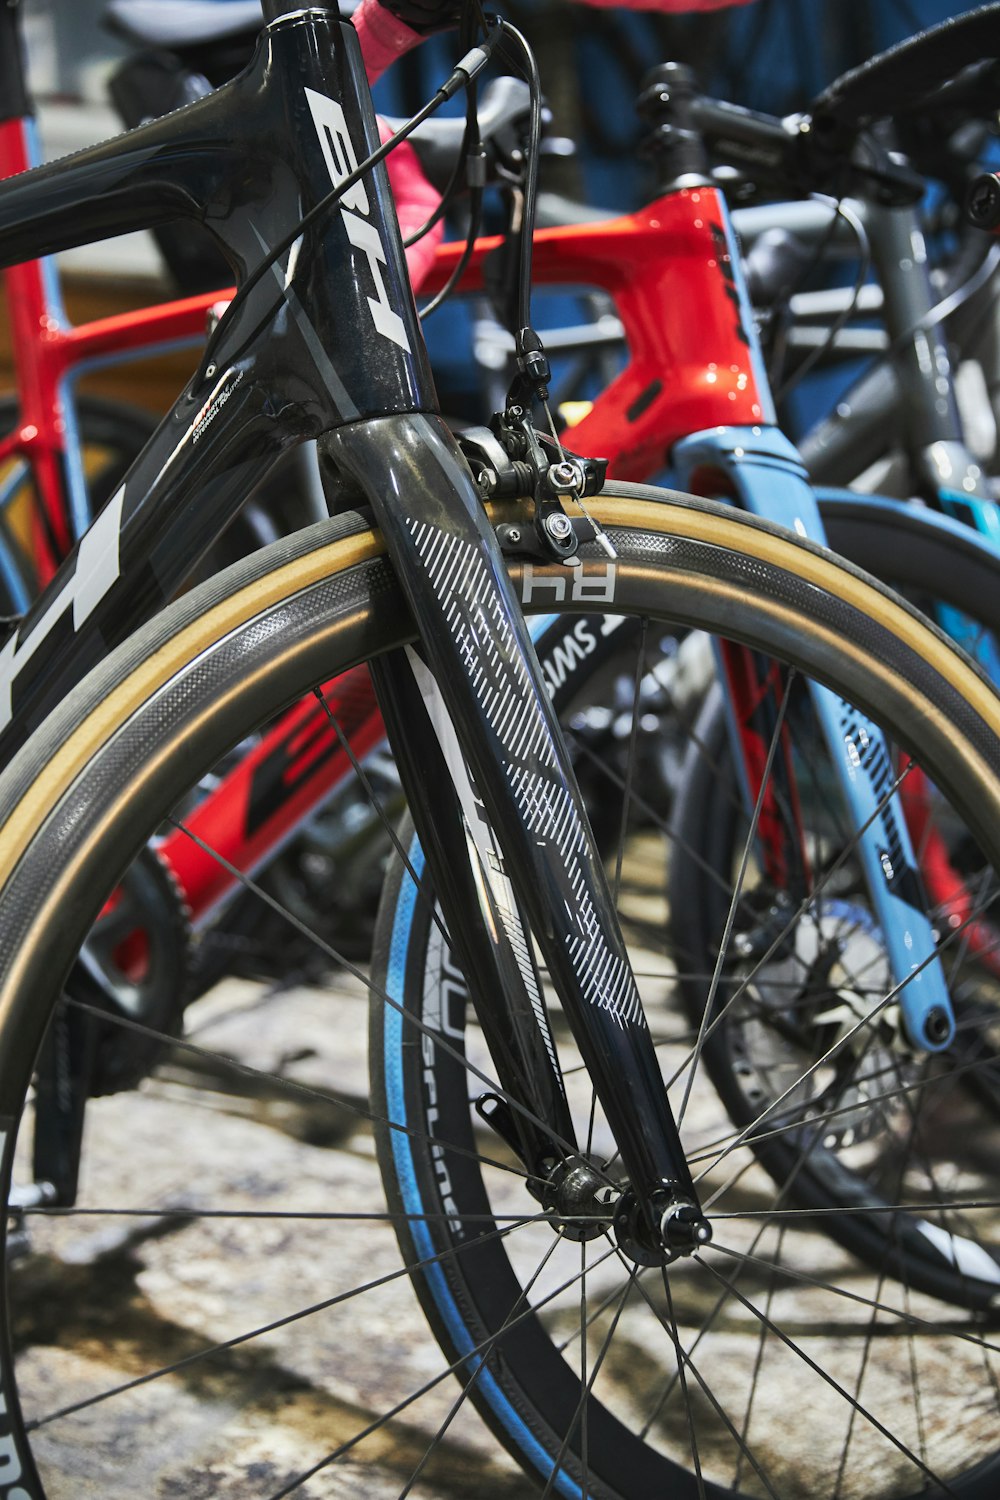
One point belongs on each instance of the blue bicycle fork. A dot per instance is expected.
(764, 472)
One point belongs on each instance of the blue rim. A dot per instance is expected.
(406, 1178)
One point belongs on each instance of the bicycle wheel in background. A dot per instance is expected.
(331, 848)
(775, 1007)
(112, 435)
(153, 1345)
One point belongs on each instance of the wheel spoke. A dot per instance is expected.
(828, 1379)
(243, 1338)
(840, 1045)
(290, 1085)
(748, 844)
(466, 1391)
(477, 1354)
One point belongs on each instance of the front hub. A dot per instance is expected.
(581, 1199)
(661, 1230)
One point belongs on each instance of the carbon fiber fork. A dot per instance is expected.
(475, 643)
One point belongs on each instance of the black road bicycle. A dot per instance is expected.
(627, 1289)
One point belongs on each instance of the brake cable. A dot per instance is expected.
(471, 141)
(462, 76)
(473, 159)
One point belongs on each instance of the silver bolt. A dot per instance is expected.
(514, 535)
(487, 482)
(566, 476)
(211, 371)
(559, 527)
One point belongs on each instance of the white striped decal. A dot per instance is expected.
(483, 841)
(503, 687)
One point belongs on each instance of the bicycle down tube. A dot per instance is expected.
(287, 363)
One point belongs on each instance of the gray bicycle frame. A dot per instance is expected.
(912, 395)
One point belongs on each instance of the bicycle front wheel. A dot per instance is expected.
(845, 1119)
(151, 1344)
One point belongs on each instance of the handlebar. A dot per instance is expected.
(504, 111)
(829, 147)
(791, 153)
(906, 76)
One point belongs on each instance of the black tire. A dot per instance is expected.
(87, 1311)
(895, 542)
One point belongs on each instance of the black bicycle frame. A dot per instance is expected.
(328, 344)
(247, 161)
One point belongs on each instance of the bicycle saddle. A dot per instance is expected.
(906, 75)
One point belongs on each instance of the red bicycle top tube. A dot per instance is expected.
(665, 267)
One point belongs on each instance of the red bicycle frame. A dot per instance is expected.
(48, 351)
(668, 270)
